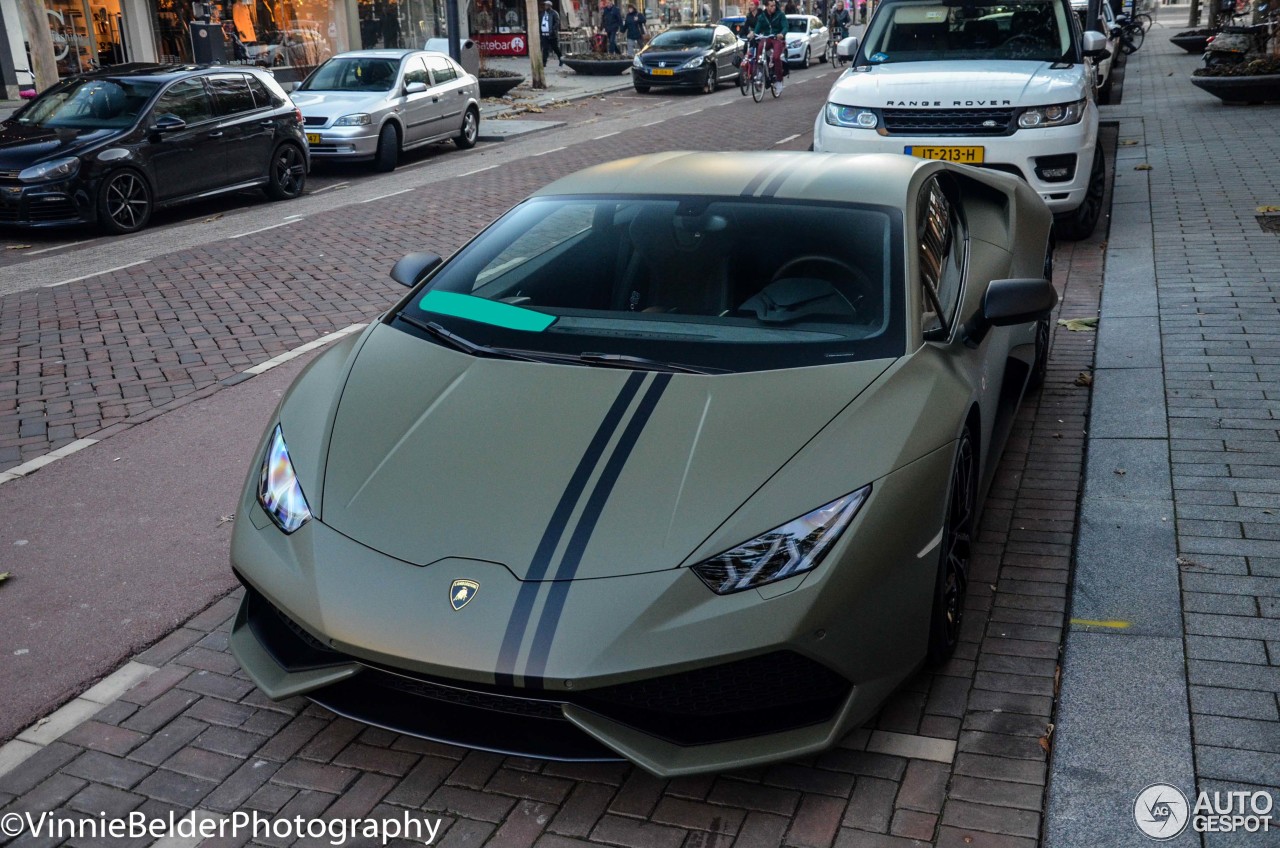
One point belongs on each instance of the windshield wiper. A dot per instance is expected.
(457, 342)
(640, 363)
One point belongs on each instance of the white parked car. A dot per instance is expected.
(807, 39)
(375, 104)
(1106, 25)
(996, 84)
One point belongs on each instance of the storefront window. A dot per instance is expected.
(291, 36)
(499, 27)
(87, 34)
(406, 23)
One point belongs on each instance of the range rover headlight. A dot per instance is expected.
(858, 117)
(1058, 115)
(279, 492)
(794, 548)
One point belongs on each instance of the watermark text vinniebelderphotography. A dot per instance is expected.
(257, 826)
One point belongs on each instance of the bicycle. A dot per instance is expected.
(756, 71)
(833, 44)
(1130, 32)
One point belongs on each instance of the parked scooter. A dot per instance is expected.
(1236, 44)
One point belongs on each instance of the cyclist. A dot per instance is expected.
(772, 24)
(838, 24)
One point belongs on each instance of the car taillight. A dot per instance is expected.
(297, 114)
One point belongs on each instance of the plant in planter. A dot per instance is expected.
(598, 64)
(1194, 40)
(1252, 81)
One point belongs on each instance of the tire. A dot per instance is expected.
(466, 137)
(831, 56)
(124, 202)
(712, 82)
(642, 89)
(1131, 39)
(744, 80)
(757, 83)
(807, 61)
(287, 176)
(1080, 223)
(953, 559)
(1040, 365)
(388, 153)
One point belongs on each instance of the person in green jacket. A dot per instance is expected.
(772, 24)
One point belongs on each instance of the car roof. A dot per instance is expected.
(381, 53)
(160, 73)
(877, 178)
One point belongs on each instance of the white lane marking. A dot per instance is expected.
(94, 274)
(785, 140)
(694, 112)
(57, 247)
(298, 351)
(552, 150)
(478, 170)
(41, 461)
(329, 188)
(652, 123)
(385, 196)
(284, 223)
(606, 135)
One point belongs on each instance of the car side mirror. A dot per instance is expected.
(168, 123)
(1018, 301)
(848, 47)
(415, 87)
(1093, 43)
(414, 267)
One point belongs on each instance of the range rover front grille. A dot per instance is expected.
(981, 122)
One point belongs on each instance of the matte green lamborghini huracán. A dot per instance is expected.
(678, 461)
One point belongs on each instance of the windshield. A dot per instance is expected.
(800, 25)
(711, 283)
(920, 32)
(364, 74)
(682, 39)
(90, 104)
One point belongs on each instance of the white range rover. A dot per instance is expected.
(1003, 85)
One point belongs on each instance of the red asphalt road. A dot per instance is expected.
(137, 547)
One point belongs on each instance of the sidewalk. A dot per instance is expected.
(1172, 657)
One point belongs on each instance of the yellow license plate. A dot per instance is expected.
(313, 138)
(964, 155)
(663, 72)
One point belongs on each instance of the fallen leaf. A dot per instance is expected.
(1057, 435)
(1266, 210)
(1188, 563)
(1143, 167)
(1077, 325)
(1169, 74)
(212, 218)
(1121, 472)
(226, 519)
(1084, 378)
(1044, 743)
(5, 575)
(1269, 511)
(1129, 142)
(17, 247)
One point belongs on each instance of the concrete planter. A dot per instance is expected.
(1263, 88)
(498, 86)
(1192, 42)
(598, 67)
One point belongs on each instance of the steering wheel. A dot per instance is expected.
(822, 270)
(859, 281)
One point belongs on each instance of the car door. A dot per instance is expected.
(819, 36)
(191, 159)
(450, 86)
(420, 110)
(248, 130)
(726, 48)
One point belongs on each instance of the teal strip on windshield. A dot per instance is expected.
(485, 311)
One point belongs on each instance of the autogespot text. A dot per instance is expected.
(256, 825)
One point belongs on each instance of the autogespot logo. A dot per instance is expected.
(1161, 811)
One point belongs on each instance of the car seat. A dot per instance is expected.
(678, 263)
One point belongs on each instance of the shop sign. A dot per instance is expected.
(502, 45)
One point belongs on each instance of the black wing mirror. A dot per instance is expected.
(168, 123)
(414, 267)
(1018, 301)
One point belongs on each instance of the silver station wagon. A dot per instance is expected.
(371, 105)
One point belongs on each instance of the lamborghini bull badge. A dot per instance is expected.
(461, 593)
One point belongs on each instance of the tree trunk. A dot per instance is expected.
(35, 23)
(1193, 19)
(534, 34)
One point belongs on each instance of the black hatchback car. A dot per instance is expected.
(698, 56)
(113, 146)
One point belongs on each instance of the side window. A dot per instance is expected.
(187, 100)
(262, 96)
(441, 69)
(942, 244)
(415, 71)
(232, 94)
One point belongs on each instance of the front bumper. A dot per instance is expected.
(350, 143)
(692, 77)
(54, 204)
(1019, 153)
(651, 667)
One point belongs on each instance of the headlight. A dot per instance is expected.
(695, 62)
(359, 120)
(636, 63)
(54, 169)
(794, 548)
(1059, 115)
(851, 116)
(278, 490)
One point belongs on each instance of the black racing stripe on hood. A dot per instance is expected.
(775, 184)
(760, 178)
(577, 546)
(519, 620)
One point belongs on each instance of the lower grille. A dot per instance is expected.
(983, 122)
(46, 209)
(312, 121)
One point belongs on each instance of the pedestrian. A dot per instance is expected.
(749, 24)
(611, 20)
(791, 8)
(862, 12)
(634, 24)
(550, 31)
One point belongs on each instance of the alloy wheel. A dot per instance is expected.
(958, 539)
(128, 201)
(290, 172)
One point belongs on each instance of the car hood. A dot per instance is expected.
(948, 84)
(337, 103)
(22, 146)
(683, 55)
(436, 454)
